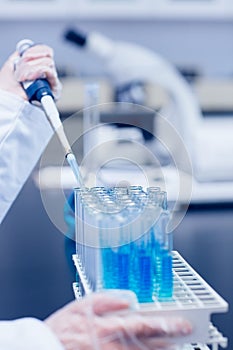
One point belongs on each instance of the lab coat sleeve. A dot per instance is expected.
(24, 133)
(27, 334)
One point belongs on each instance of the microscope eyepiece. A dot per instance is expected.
(76, 37)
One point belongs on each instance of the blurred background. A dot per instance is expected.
(189, 66)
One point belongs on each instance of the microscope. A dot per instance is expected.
(207, 142)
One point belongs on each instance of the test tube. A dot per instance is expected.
(164, 284)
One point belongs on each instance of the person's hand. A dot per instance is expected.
(92, 324)
(36, 62)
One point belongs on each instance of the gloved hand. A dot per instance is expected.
(36, 62)
(92, 324)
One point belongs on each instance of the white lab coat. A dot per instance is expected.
(24, 133)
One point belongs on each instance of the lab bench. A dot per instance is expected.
(213, 94)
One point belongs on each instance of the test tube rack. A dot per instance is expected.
(192, 299)
(187, 296)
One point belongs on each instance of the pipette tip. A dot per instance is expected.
(75, 168)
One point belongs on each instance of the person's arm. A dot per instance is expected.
(25, 134)
(24, 128)
(27, 334)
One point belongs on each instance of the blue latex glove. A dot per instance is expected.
(69, 217)
(69, 214)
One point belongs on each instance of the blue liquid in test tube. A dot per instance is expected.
(145, 287)
(110, 268)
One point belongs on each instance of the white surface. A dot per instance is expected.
(214, 148)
